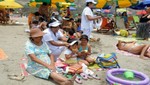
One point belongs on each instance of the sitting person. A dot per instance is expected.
(71, 35)
(84, 51)
(40, 59)
(54, 38)
(71, 56)
(135, 48)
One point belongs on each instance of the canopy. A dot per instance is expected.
(140, 6)
(52, 1)
(10, 4)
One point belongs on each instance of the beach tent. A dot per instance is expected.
(10, 4)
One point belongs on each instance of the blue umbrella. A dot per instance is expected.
(140, 6)
(146, 2)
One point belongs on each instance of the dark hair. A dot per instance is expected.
(71, 40)
(44, 3)
(37, 14)
(51, 21)
(80, 31)
(84, 37)
(41, 19)
(79, 21)
(71, 32)
(35, 22)
(87, 4)
(71, 19)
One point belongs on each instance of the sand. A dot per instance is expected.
(12, 41)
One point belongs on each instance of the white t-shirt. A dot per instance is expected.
(85, 23)
(49, 36)
(73, 59)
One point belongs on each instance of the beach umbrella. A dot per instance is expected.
(142, 12)
(10, 4)
(146, 2)
(101, 3)
(139, 6)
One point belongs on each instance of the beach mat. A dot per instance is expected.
(3, 55)
(127, 39)
(125, 53)
(23, 66)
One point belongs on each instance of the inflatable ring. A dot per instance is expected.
(111, 79)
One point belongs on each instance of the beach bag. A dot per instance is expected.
(107, 61)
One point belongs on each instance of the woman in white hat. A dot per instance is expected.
(54, 38)
(40, 59)
(88, 17)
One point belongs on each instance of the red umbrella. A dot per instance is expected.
(141, 12)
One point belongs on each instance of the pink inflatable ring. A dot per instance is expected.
(111, 79)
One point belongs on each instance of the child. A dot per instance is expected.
(71, 34)
(71, 56)
(84, 51)
(71, 59)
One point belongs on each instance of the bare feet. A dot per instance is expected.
(70, 81)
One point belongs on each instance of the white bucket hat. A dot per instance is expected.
(91, 1)
(72, 43)
(54, 24)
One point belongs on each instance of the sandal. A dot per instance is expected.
(78, 80)
(84, 76)
(96, 77)
(90, 76)
(16, 77)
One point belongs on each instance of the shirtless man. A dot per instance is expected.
(135, 48)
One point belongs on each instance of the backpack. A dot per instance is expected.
(107, 61)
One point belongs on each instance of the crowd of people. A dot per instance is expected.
(50, 36)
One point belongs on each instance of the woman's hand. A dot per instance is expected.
(51, 67)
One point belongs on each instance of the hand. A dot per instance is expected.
(66, 44)
(52, 67)
(99, 17)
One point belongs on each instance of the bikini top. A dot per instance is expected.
(81, 49)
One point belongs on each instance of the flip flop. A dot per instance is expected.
(16, 77)
(84, 76)
(90, 76)
(78, 80)
(96, 77)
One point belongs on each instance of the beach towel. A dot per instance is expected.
(3, 56)
(136, 19)
(23, 66)
(127, 39)
(125, 53)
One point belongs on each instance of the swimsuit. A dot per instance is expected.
(80, 50)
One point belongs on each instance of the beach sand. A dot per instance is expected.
(12, 41)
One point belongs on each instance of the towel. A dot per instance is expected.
(3, 56)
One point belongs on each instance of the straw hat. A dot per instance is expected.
(36, 32)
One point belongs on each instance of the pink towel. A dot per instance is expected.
(23, 66)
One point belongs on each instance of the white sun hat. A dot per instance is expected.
(91, 1)
(72, 43)
(54, 24)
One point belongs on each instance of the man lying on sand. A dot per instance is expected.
(133, 47)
